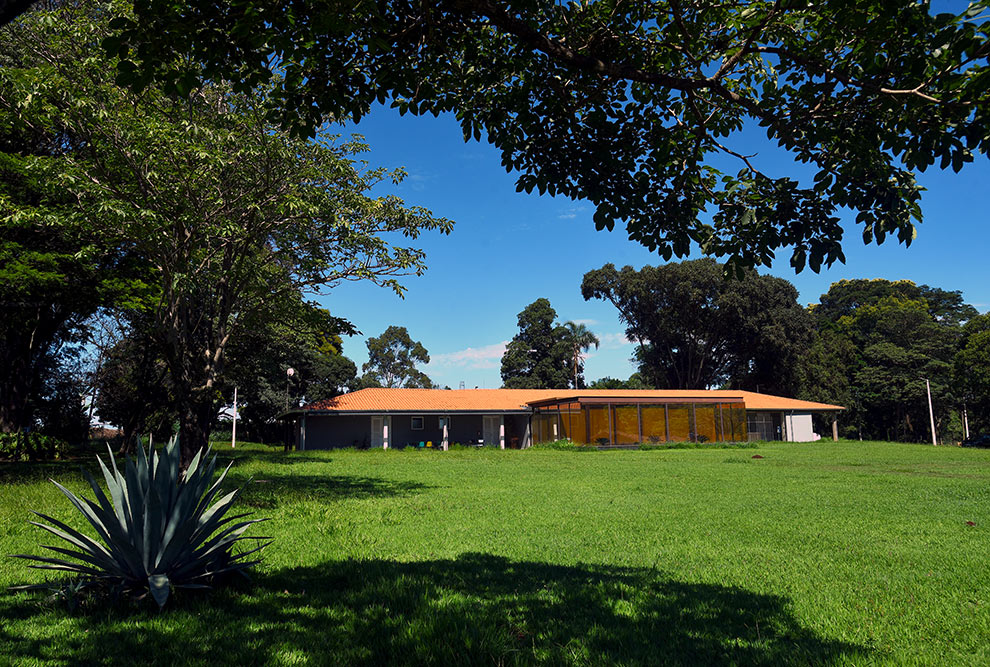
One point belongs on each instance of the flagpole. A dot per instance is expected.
(233, 430)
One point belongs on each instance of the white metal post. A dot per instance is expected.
(385, 421)
(501, 432)
(446, 434)
(965, 424)
(233, 429)
(931, 413)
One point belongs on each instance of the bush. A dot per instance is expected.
(566, 445)
(651, 446)
(31, 446)
(158, 532)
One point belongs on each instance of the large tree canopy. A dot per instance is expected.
(878, 340)
(697, 330)
(635, 106)
(236, 216)
(52, 277)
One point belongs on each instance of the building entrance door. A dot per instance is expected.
(491, 430)
(377, 432)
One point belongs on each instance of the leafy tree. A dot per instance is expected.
(635, 381)
(581, 339)
(637, 107)
(900, 346)
(367, 381)
(392, 359)
(880, 340)
(972, 371)
(260, 355)
(53, 277)
(132, 387)
(540, 355)
(845, 296)
(695, 329)
(236, 215)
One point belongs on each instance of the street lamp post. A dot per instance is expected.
(289, 372)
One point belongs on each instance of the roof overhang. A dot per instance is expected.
(637, 400)
(525, 410)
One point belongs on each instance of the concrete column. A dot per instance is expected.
(302, 433)
(446, 434)
(835, 429)
(501, 432)
(385, 424)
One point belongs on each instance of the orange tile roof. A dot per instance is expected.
(755, 401)
(501, 400)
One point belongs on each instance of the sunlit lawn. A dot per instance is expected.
(817, 553)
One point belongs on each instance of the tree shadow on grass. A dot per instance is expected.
(30, 472)
(273, 456)
(476, 609)
(25, 472)
(267, 490)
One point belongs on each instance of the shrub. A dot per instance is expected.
(31, 446)
(565, 444)
(652, 446)
(160, 528)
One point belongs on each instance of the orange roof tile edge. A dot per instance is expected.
(501, 400)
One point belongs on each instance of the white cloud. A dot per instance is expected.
(487, 356)
(587, 323)
(572, 212)
(614, 341)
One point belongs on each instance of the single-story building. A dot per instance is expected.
(384, 418)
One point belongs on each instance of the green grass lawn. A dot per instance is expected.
(831, 553)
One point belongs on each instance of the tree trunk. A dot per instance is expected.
(195, 419)
(15, 388)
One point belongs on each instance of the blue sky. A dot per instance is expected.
(508, 249)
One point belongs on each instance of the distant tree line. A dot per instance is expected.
(868, 345)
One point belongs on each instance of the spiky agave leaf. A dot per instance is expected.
(157, 528)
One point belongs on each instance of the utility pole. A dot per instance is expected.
(233, 430)
(931, 413)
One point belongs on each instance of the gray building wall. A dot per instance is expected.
(328, 431)
(403, 434)
(334, 431)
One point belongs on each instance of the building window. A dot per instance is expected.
(417, 423)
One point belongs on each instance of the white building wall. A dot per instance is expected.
(798, 427)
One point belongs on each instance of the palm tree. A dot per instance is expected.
(581, 339)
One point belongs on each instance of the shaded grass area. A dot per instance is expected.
(477, 609)
(824, 553)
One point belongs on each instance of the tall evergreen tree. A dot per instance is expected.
(541, 354)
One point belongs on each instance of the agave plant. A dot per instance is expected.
(160, 528)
